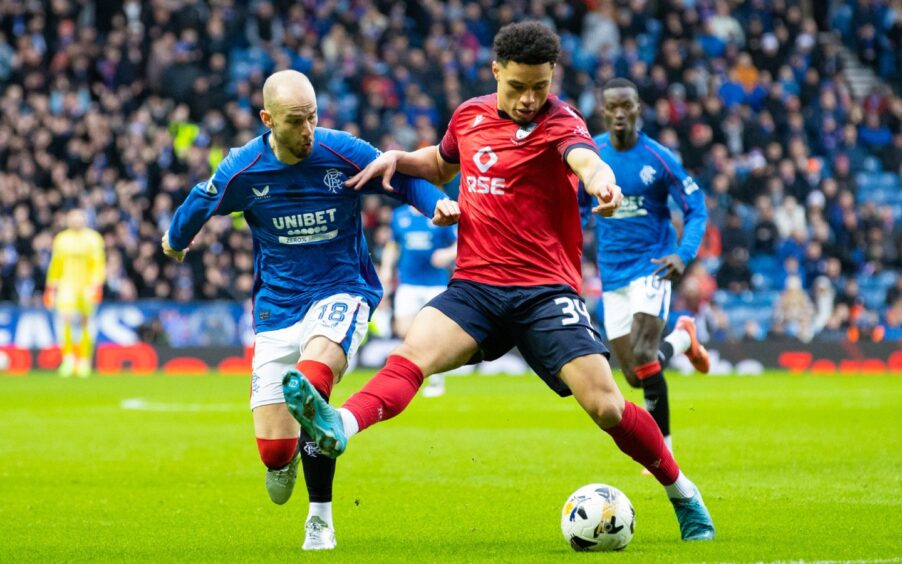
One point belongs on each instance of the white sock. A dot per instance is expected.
(683, 488)
(349, 422)
(321, 510)
(679, 340)
(669, 442)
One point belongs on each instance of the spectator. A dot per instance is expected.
(734, 275)
(794, 313)
(824, 296)
(766, 232)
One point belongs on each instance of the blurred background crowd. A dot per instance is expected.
(787, 112)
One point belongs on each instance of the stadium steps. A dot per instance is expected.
(862, 78)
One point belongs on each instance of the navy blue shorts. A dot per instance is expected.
(549, 324)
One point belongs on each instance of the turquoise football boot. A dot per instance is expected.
(695, 521)
(319, 419)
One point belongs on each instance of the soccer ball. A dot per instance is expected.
(598, 517)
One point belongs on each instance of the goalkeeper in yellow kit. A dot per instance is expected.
(74, 287)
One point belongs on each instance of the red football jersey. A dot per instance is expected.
(520, 222)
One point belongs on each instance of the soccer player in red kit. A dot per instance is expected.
(521, 153)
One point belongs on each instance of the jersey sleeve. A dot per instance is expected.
(217, 196)
(414, 191)
(419, 193)
(568, 131)
(691, 201)
(449, 149)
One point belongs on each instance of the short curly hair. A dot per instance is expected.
(527, 43)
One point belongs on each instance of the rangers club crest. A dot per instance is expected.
(647, 174)
(333, 180)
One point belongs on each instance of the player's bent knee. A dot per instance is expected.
(277, 453)
(609, 412)
(418, 355)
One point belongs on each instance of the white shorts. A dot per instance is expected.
(649, 295)
(410, 299)
(341, 318)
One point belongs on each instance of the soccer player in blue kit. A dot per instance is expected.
(638, 253)
(315, 283)
(423, 253)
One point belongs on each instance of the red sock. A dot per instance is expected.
(277, 453)
(319, 375)
(638, 435)
(387, 393)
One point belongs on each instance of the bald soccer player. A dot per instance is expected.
(316, 286)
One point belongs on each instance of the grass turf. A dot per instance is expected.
(792, 468)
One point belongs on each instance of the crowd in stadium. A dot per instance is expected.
(120, 107)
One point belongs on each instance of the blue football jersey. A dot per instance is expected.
(418, 238)
(306, 226)
(642, 229)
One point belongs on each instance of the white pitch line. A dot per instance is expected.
(138, 404)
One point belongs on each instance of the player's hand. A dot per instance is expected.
(672, 267)
(447, 212)
(170, 252)
(49, 297)
(384, 165)
(609, 200)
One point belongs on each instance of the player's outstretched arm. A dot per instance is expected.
(424, 163)
(598, 179)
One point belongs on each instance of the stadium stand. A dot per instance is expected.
(120, 106)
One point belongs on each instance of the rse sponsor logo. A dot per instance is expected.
(261, 193)
(477, 120)
(689, 185)
(484, 159)
(486, 185)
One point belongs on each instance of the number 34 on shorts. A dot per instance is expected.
(573, 309)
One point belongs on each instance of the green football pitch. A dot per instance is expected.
(165, 468)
